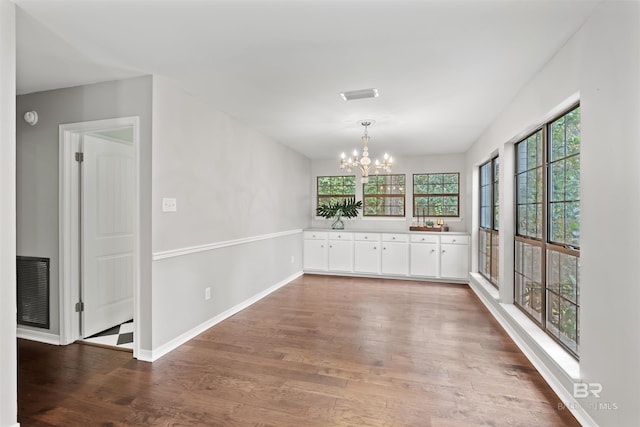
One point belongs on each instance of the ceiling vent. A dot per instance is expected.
(359, 94)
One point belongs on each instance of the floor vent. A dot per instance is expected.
(33, 291)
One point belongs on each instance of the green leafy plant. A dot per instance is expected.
(347, 208)
(429, 223)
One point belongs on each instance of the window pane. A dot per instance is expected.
(522, 220)
(429, 198)
(556, 223)
(333, 189)
(324, 185)
(384, 196)
(521, 157)
(557, 181)
(528, 285)
(495, 249)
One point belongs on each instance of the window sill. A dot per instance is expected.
(527, 332)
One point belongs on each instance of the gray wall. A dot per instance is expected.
(402, 165)
(601, 62)
(37, 168)
(230, 183)
(8, 360)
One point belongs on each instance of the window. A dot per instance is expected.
(488, 245)
(384, 195)
(547, 242)
(436, 194)
(333, 189)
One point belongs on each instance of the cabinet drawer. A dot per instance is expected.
(315, 235)
(367, 237)
(340, 236)
(455, 240)
(389, 237)
(424, 238)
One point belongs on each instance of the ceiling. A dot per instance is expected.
(444, 69)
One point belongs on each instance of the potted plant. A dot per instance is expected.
(347, 208)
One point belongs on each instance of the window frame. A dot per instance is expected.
(490, 233)
(436, 195)
(545, 245)
(333, 195)
(365, 196)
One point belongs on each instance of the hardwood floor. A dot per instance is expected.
(321, 351)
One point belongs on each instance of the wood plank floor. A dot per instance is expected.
(321, 351)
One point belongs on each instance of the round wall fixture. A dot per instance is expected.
(31, 117)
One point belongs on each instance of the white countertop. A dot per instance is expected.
(351, 230)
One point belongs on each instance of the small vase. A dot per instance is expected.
(338, 224)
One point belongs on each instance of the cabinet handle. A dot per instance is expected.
(393, 238)
(339, 237)
(433, 250)
(314, 235)
(322, 246)
(454, 240)
(331, 246)
(374, 248)
(384, 249)
(365, 237)
(423, 239)
(443, 251)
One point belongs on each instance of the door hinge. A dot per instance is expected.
(79, 307)
(79, 157)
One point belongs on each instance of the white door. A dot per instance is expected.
(315, 254)
(367, 257)
(454, 261)
(107, 233)
(395, 258)
(424, 259)
(340, 255)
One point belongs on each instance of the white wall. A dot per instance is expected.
(402, 165)
(231, 183)
(8, 359)
(38, 161)
(602, 63)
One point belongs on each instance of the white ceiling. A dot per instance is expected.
(444, 69)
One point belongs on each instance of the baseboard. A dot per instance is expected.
(43, 337)
(153, 355)
(565, 396)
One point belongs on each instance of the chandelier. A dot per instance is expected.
(364, 163)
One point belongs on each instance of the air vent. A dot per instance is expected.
(359, 94)
(33, 291)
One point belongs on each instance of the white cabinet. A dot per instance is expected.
(425, 256)
(454, 257)
(422, 255)
(315, 251)
(367, 253)
(395, 254)
(340, 252)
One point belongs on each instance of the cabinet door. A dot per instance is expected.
(340, 255)
(367, 257)
(315, 254)
(424, 259)
(395, 258)
(454, 261)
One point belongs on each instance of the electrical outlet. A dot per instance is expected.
(169, 205)
(207, 293)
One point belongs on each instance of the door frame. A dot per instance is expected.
(69, 235)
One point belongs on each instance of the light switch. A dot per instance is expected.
(169, 205)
